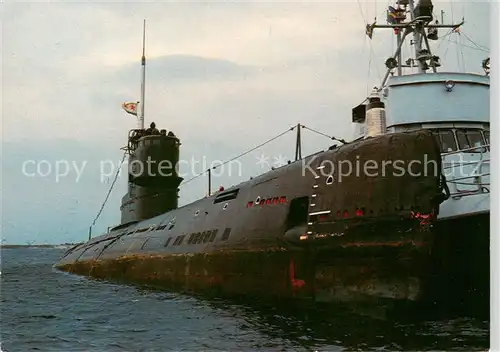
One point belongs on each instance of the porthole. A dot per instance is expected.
(257, 200)
(329, 180)
(196, 213)
(225, 206)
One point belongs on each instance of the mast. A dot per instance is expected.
(420, 17)
(143, 79)
(298, 144)
(417, 37)
(209, 171)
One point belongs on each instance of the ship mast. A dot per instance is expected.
(420, 20)
(143, 78)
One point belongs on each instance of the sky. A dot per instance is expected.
(223, 76)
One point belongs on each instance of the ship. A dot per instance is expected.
(455, 107)
(309, 232)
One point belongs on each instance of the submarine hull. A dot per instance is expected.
(304, 231)
(347, 273)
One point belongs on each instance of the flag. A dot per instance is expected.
(391, 15)
(395, 16)
(130, 108)
(369, 29)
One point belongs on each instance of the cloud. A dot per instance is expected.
(223, 76)
(68, 67)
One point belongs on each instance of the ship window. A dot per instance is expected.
(487, 137)
(446, 140)
(476, 140)
(168, 241)
(191, 238)
(469, 139)
(225, 235)
(462, 140)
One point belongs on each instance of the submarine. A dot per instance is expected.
(306, 231)
(298, 231)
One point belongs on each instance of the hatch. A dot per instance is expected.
(298, 212)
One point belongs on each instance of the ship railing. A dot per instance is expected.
(482, 187)
(475, 175)
(454, 180)
(453, 165)
(459, 194)
(484, 148)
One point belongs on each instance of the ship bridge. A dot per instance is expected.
(456, 107)
(453, 105)
(444, 97)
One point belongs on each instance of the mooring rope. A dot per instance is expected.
(109, 192)
(325, 135)
(240, 155)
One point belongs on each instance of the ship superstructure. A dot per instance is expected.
(453, 105)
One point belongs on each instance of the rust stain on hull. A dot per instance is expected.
(278, 272)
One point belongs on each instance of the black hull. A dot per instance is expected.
(289, 234)
(459, 266)
(389, 268)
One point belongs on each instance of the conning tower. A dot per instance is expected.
(153, 178)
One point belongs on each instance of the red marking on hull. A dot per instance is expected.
(296, 284)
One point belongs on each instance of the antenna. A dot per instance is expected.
(421, 16)
(143, 80)
(298, 145)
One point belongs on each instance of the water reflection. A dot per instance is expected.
(330, 327)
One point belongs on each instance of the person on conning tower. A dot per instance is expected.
(152, 129)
